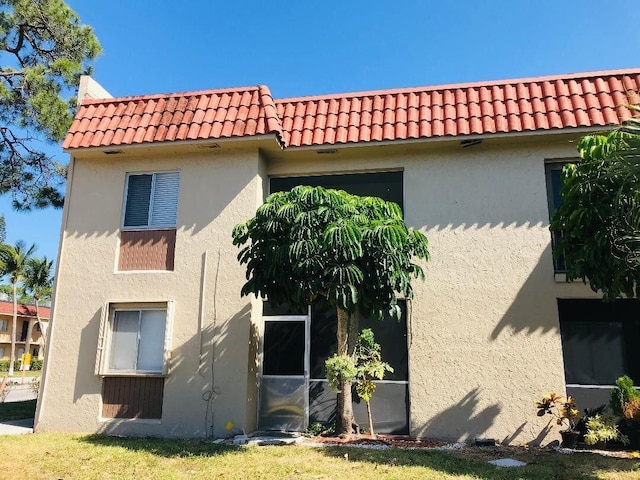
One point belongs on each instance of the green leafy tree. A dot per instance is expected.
(43, 51)
(355, 253)
(13, 262)
(38, 282)
(599, 219)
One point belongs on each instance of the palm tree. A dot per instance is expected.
(13, 261)
(38, 282)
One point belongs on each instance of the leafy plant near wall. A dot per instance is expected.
(564, 412)
(602, 428)
(370, 367)
(356, 253)
(621, 394)
(363, 368)
(598, 222)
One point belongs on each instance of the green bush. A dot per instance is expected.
(621, 394)
(36, 364)
(4, 365)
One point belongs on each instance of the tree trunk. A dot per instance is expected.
(14, 327)
(347, 336)
(42, 330)
(27, 346)
(373, 435)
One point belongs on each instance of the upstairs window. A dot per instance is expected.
(152, 200)
(553, 172)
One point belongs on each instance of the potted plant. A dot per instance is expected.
(565, 413)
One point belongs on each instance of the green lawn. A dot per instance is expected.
(54, 456)
(17, 410)
(17, 375)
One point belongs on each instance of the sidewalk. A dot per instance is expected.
(17, 427)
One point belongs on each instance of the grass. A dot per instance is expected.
(17, 410)
(53, 456)
(17, 375)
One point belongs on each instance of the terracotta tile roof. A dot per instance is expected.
(6, 308)
(234, 112)
(545, 103)
(508, 106)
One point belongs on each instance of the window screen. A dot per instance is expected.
(137, 341)
(599, 340)
(386, 185)
(152, 200)
(389, 333)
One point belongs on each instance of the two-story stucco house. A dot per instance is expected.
(150, 335)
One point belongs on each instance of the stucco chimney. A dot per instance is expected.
(89, 88)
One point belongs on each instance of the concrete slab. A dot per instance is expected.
(17, 427)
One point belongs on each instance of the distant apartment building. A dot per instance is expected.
(26, 315)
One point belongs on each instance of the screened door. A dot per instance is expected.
(284, 395)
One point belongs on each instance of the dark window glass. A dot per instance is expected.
(599, 340)
(389, 333)
(283, 348)
(386, 185)
(554, 199)
(138, 200)
(269, 309)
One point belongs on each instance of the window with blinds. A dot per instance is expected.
(152, 200)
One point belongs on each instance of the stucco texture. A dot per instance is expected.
(484, 340)
(215, 194)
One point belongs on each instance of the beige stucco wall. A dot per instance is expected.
(216, 192)
(485, 342)
(484, 326)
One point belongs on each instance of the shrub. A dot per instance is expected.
(36, 364)
(603, 428)
(4, 365)
(621, 394)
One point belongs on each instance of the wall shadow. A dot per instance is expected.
(538, 289)
(468, 421)
(201, 374)
(85, 379)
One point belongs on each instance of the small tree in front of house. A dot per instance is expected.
(369, 367)
(356, 253)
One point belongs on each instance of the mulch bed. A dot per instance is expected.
(524, 452)
(388, 440)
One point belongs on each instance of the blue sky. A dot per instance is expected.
(309, 48)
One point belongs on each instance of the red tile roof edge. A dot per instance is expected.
(6, 308)
(554, 102)
(453, 86)
(155, 96)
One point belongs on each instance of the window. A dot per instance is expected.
(36, 352)
(553, 172)
(599, 340)
(1, 352)
(4, 325)
(386, 185)
(152, 200)
(135, 341)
